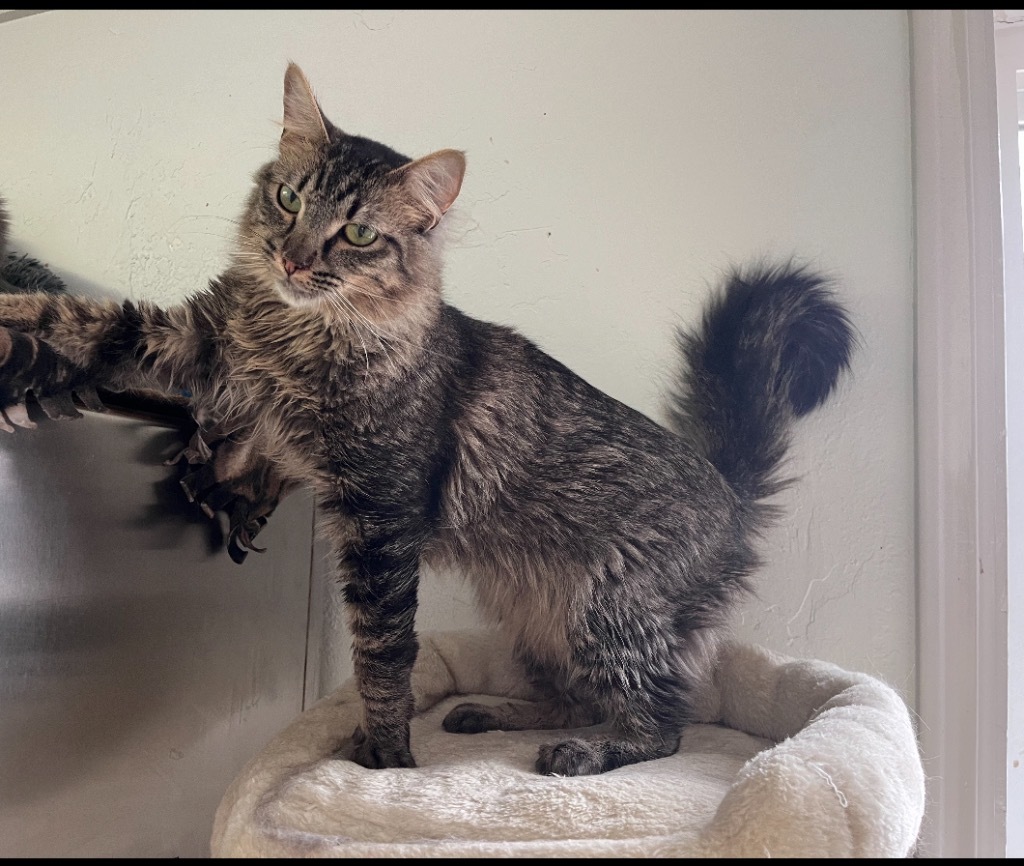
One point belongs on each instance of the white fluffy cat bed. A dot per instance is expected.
(799, 758)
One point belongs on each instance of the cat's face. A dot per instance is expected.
(342, 223)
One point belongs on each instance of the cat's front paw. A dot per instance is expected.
(471, 719)
(375, 753)
(574, 757)
(225, 476)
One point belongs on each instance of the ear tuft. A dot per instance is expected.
(304, 122)
(432, 183)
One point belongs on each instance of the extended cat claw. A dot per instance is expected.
(215, 498)
(197, 451)
(246, 532)
(240, 541)
(197, 483)
(202, 487)
(88, 397)
(59, 406)
(236, 551)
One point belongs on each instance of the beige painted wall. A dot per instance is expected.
(617, 162)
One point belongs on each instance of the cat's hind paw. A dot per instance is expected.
(574, 757)
(471, 719)
(598, 753)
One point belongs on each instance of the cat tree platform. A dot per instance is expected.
(795, 758)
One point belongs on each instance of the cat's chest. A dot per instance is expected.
(266, 380)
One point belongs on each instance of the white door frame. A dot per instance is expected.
(960, 417)
(1010, 58)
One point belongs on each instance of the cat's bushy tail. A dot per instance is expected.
(770, 348)
(21, 274)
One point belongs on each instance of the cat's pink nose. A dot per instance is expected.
(291, 267)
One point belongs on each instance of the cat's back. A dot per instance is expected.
(497, 367)
(525, 425)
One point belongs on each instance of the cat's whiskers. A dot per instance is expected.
(361, 291)
(355, 287)
(208, 216)
(347, 310)
(329, 297)
(208, 234)
(378, 331)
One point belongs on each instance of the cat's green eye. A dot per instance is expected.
(359, 235)
(289, 199)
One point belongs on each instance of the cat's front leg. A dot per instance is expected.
(24, 312)
(120, 346)
(380, 590)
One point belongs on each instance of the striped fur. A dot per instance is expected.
(610, 548)
(28, 363)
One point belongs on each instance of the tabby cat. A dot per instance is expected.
(608, 548)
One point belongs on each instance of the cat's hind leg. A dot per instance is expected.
(557, 707)
(472, 718)
(599, 753)
(632, 741)
(648, 685)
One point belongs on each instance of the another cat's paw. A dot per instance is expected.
(575, 757)
(57, 406)
(471, 719)
(30, 365)
(375, 755)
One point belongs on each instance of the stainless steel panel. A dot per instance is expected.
(139, 667)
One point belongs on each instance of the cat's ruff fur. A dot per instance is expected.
(608, 548)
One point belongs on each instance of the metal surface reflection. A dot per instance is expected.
(139, 667)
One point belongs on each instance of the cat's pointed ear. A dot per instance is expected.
(431, 184)
(304, 122)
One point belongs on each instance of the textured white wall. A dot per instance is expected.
(617, 162)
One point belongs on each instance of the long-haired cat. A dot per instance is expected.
(610, 549)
